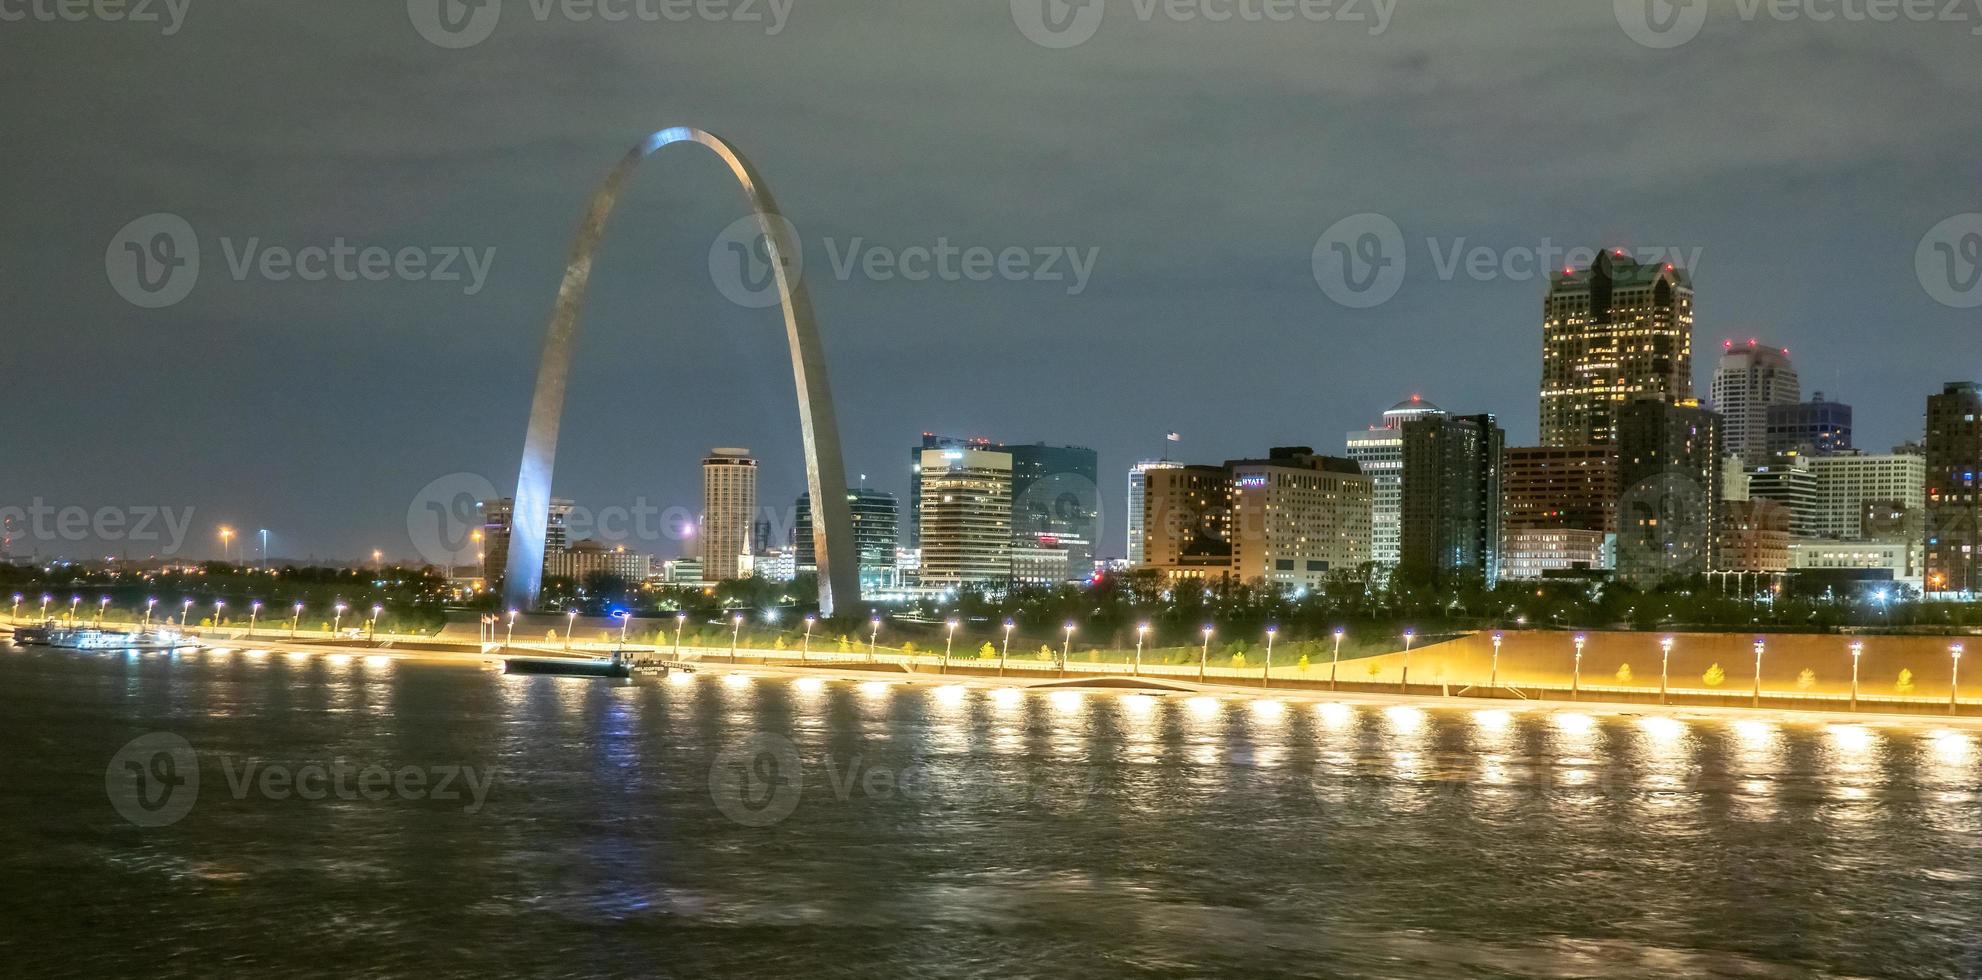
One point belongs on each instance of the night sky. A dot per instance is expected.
(1803, 161)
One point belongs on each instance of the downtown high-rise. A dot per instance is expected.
(729, 510)
(1750, 380)
(1954, 509)
(1618, 330)
(1133, 514)
(1379, 450)
(1449, 518)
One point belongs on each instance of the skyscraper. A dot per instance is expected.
(1379, 450)
(1812, 428)
(496, 518)
(1848, 482)
(1789, 483)
(1187, 522)
(1669, 466)
(1954, 455)
(876, 523)
(1750, 379)
(1132, 516)
(1056, 504)
(1449, 520)
(1298, 518)
(1558, 509)
(1618, 330)
(729, 506)
(966, 517)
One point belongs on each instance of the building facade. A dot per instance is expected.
(1056, 503)
(1669, 504)
(1449, 518)
(1617, 330)
(729, 513)
(1755, 537)
(1298, 518)
(1558, 509)
(1847, 483)
(494, 541)
(1789, 482)
(1187, 522)
(1138, 485)
(965, 498)
(1954, 455)
(876, 534)
(587, 558)
(1813, 428)
(1379, 450)
(1751, 379)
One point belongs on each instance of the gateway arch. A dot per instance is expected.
(825, 472)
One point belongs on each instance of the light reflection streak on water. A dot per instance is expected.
(1757, 763)
(809, 686)
(1493, 739)
(1575, 742)
(1667, 763)
(736, 681)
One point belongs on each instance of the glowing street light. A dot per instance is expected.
(805, 651)
(254, 613)
(1005, 652)
(1857, 651)
(1204, 655)
(218, 605)
(1954, 677)
(102, 606)
(337, 619)
(1066, 649)
(74, 600)
(226, 545)
(1266, 664)
(1141, 632)
(735, 628)
(1665, 666)
(44, 607)
(1404, 683)
(186, 613)
(948, 642)
(149, 605)
(1759, 646)
(873, 635)
(375, 621)
(17, 607)
(295, 620)
(1335, 660)
(1493, 672)
(1576, 676)
(624, 619)
(570, 620)
(510, 635)
(680, 620)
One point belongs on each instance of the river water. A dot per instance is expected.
(365, 816)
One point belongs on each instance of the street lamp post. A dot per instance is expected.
(74, 600)
(1757, 700)
(1266, 663)
(1954, 677)
(1493, 671)
(218, 605)
(735, 628)
(16, 616)
(1404, 683)
(375, 622)
(680, 620)
(337, 619)
(1576, 675)
(149, 605)
(624, 619)
(1857, 651)
(295, 620)
(509, 637)
(102, 607)
(805, 651)
(570, 620)
(948, 642)
(226, 546)
(1665, 666)
(1335, 660)
(1005, 652)
(1204, 655)
(872, 636)
(254, 613)
(1066, 649)
(1141, 632)
(44, 608)
(186, 613)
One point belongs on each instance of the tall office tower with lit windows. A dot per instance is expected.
(1379, 450)
(1618, 330)
(965, 498)
(729, 510)
(1954, 459)
(1133, 515)
(1751, 379)
(1449, 520)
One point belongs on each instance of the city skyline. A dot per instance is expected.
(353, 396)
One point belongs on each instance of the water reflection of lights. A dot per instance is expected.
(1138, 706)
(378, 661)
(298, 655)
(1493, 720)
(1006, 697)
(1574, 723)
(1203, 707)
(809, 685)
(257, 654)
(1951, 747)
(1336, 716)
(1754, 734)
(1663, 730)
(1404, 719)
(1851, 739)
(949, 695)
(1267, 709)
(339, 659)
(1067, 701)
(680, 678)
(875, 689)
(736, 680)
